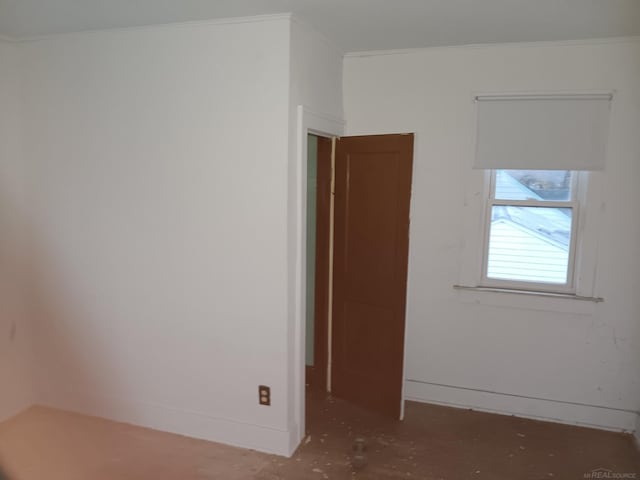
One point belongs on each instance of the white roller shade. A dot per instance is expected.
(534, 132)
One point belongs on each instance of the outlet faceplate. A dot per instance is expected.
(264, 395)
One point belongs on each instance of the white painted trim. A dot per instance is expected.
(195, 23)
(309, 121)
(521, 406)
(535, 293)
(522, 300)
(185, 422)
(410, 266)
(605, 95)
(542, 43)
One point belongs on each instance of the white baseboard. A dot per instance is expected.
(535, 408)
(182, 422)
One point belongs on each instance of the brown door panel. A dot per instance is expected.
(373, 191)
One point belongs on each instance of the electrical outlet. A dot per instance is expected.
(264, 395)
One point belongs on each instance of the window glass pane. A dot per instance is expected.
(529, 244)
(552, 185)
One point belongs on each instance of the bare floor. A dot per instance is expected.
(432, 443)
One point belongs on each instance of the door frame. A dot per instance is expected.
(323, 125)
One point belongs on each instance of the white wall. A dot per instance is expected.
(16, 388)
(316, 85)
(316, 70)
(572, 361)
(167, 227)
(158, 168)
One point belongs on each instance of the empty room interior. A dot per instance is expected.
(291, 239)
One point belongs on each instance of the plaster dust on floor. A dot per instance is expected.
(433, 442)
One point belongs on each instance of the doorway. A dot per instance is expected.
(357, 255)
(318, 261)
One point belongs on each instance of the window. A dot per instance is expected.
(531, 229)
(532, 214)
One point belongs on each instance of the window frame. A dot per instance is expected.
(578, 184)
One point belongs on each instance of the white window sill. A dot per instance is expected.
(536, 293)
(528, 299)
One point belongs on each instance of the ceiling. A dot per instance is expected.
(353, 24)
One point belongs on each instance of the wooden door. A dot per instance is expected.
(371, 243)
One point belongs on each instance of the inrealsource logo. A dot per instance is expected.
(606, 473)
